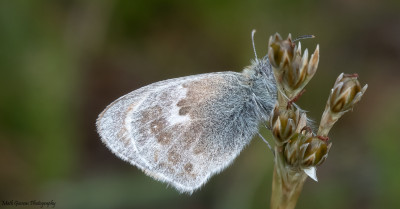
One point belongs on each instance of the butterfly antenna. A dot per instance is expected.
(303, 37)
(254, 46)
(269, 146)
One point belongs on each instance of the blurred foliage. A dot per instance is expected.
(63, 61)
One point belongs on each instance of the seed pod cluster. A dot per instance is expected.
(299, 146)
(292, 69)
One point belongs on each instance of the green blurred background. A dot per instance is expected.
(62, 62)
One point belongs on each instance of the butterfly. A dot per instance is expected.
(184, 130)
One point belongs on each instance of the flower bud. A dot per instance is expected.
(284, 123)
(295, 148)
(291, 151)
(291, 69)
(280, 51)
(314, 152)
(345, 93)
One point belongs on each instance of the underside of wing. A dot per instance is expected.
(182, 131)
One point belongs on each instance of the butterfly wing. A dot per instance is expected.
(182, 131)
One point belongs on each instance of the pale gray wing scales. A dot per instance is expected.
(111, 123)
(191, 130)
(182, 131)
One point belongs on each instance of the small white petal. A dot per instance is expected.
(304, 60)
(278, 37)
(340, 77)
(364, 88)
(314, 60)
(298, 48)
(289, 37)
(311, 172)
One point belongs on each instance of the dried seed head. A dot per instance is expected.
(292, 69)
(280, 51)
(346, 93)
(284, 123)
(295, 74)
(314, 150)
(291, 150)
(294, 149)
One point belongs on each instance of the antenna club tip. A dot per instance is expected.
(303, 37)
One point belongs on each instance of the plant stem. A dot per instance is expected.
(286, 184)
